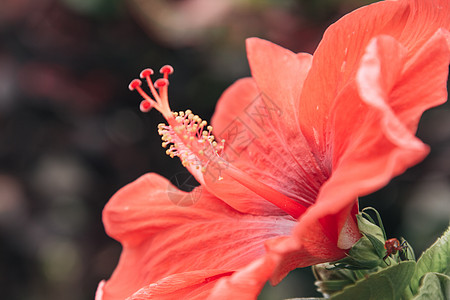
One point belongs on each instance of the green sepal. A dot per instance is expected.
(366, 258)
(375, 233)
(330, 279)
(434, 259)
(361, 256)
(377, 245)
(408, 253)
(434, 286)
(386, 284)
(379, 221)
(331, 286)
(367, 227)
(368, 251)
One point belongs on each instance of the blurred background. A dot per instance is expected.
(71, 133)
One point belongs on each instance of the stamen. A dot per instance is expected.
(194, 146)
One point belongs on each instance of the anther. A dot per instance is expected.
(161, 82)
(146, 72)
(135, 83)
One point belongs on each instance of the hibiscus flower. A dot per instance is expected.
(295, 146)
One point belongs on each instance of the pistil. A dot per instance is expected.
(190, 138)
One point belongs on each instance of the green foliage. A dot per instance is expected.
(366, 272)
(434, 259)
(434, 286)
(385, 284)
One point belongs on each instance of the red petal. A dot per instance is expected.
(189, 285)
(229, 125)
(337, 58)
(162, 239)
(316, 239)
(245, 284)
(309, 245)
(258, 122)
(379, 146)
(423, 81)
(371, 147)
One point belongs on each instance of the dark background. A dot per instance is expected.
(71, 133)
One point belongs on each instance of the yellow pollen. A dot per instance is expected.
(193, 145)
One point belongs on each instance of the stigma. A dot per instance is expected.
(185, 135)
(159, 91)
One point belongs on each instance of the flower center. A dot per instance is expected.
(191, 135)
(190, 138)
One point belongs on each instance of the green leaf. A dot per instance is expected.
(434, 286)
(385, 284)
(434, 259)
